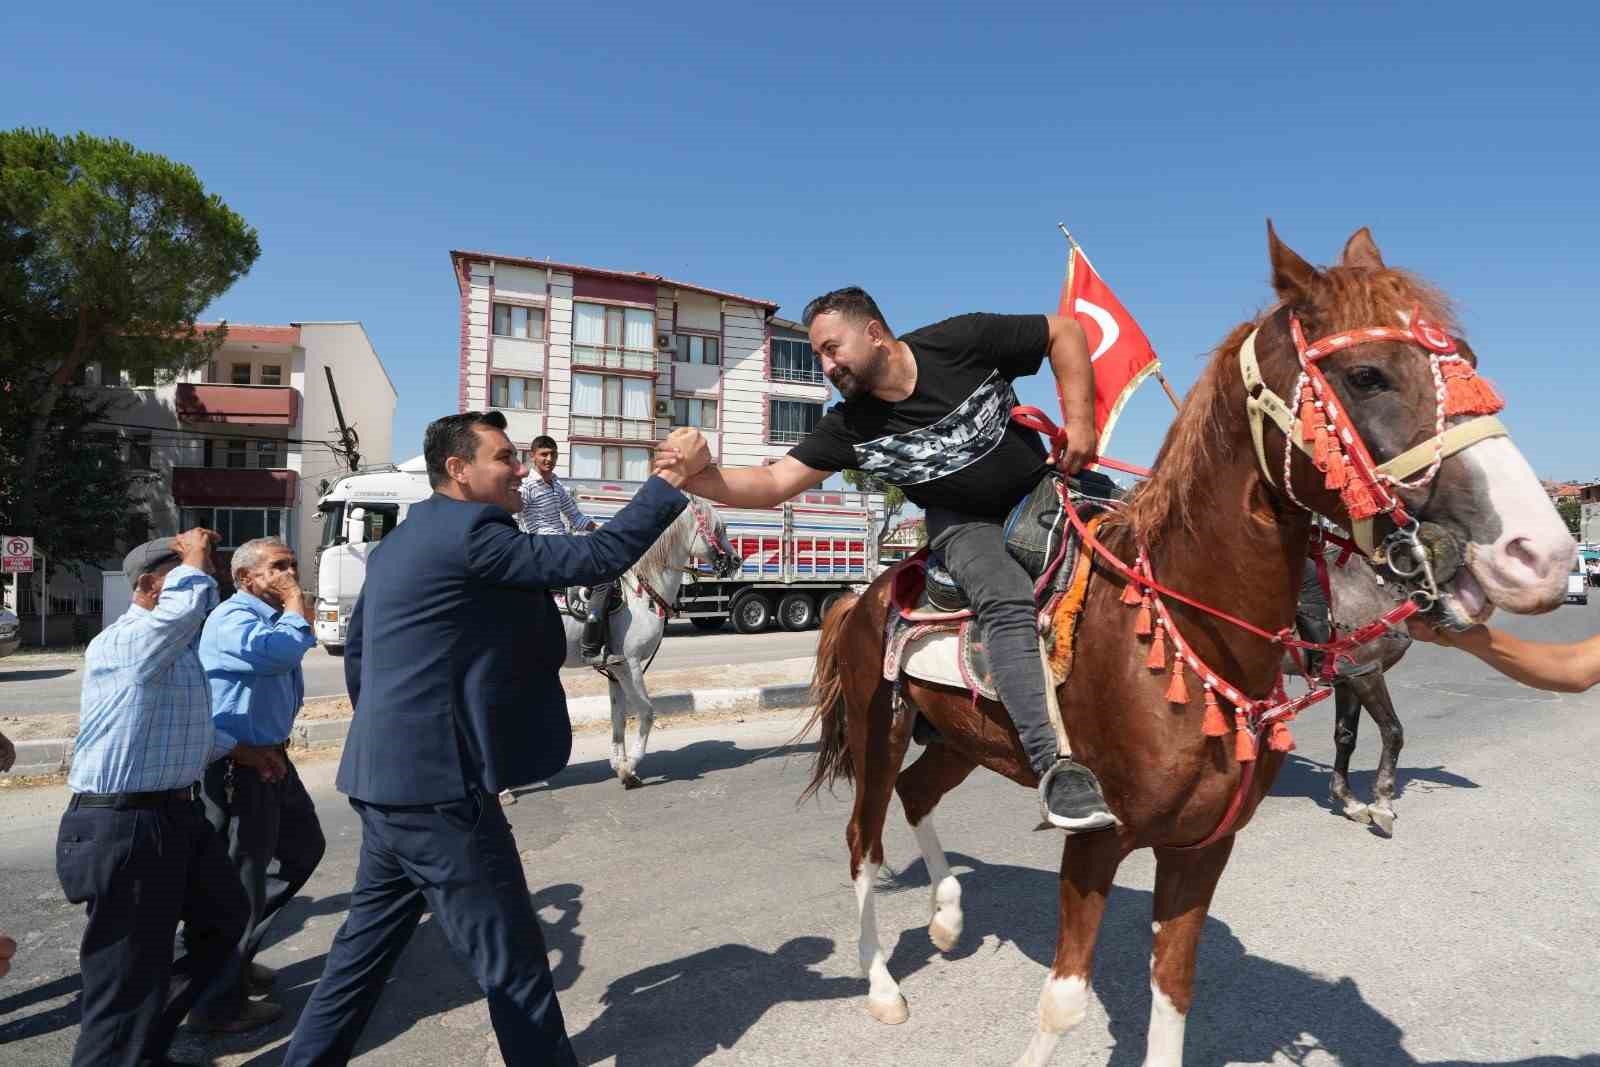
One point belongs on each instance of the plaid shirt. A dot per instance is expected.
(545, 504)
(145, 724)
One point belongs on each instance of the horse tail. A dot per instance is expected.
(827, 697)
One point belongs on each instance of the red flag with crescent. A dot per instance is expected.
(1118, 349)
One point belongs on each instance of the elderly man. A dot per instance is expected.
(251, 649)
(453, 664)
(134, 844)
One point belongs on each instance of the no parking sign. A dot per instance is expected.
(18, 554)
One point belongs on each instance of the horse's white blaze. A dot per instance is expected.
(1525, 568)
(1165, 1045)
(1062, 1005)
(873, 964)
(945, 925)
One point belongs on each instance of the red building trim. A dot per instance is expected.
(464, 283)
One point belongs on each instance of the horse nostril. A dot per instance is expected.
(1520, 550)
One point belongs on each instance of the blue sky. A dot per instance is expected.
(925, 153)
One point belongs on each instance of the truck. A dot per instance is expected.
(797, 558)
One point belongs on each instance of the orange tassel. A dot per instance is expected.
(1319, 451)
(1309, 418)
(1465, 393)
(1358, 499)
(1338, 475)
(1141, 625)
(1131, 594)
(1215, 724)
(1280, 738)
(1157, 660)
(1177, 691)
(1244, 742)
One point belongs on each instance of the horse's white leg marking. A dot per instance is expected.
(884, 1001)
(1062, 1005)
(619, 726)
(1165, 1045)
(633, 685)
(944, 928)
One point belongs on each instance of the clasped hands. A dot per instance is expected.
(681, 456)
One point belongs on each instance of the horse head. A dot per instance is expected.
(1367, 408)
(711, 540)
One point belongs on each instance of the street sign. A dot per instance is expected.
(17, 557)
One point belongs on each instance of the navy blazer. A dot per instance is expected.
(455, 645)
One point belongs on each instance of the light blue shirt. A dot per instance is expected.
(251, 652)
(145, 724)
(546, 504)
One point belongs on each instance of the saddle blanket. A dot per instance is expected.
(948, 656)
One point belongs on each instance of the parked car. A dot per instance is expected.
(10, 632)
(1577, 583)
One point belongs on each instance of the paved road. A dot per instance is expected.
(1467, 939)
(45, 683)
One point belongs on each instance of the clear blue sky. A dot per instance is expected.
(925, 154)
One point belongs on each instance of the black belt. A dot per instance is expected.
(185, 795)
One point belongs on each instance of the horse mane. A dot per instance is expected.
(658, 558)
(1349, 297)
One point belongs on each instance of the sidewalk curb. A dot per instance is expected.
(54, 755)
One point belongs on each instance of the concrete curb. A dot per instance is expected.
(54, 755)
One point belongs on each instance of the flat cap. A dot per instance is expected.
(150, 556)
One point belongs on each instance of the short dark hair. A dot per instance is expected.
(544, 440)
(454, 435)
(853, 302)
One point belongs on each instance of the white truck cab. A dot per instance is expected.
(357, 512)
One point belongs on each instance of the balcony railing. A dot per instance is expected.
(807, 375)
(255, 405)
(613, 358)
(233, 487)
(613, 427)
(785, 437)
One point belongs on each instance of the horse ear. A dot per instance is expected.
(1362, 251)
(1292, 276)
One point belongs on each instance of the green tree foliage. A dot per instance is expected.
(894, 498)
(1571, 512)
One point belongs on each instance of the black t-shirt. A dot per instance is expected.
(951, 443)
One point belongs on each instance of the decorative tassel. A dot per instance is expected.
(1280, 738)
(1319, 451)
(1131, 594)
(1141, 625)
(1338, 475)
(1465, 393)
(1358, 499)
(1157, 660)
(1309, 418)
(1177, 691)
(1215, 724)
(1244, 742)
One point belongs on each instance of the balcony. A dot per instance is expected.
(227, 487)
(610, 358)
(252, 405)
(613, 428)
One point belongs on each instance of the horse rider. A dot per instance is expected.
(930, 412)
(547, 508)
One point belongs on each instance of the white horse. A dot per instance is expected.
(649, 590)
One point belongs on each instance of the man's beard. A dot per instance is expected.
(854, 386)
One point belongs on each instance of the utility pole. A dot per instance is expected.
(347, 436)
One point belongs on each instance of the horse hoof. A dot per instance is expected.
(891, 1010)
(1383, 819)
(1356, 812)
(944, 937)
(631, 781)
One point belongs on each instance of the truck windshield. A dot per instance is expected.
(332, 524)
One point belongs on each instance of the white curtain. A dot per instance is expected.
(635, 464)
(641, 330)
(589, 324)
(636, 394)
(586, 461)
(586, 396)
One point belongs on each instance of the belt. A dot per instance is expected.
(160, 799)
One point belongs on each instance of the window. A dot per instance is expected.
(604, 336)
(238, 525)
(139, 452)
(692, 348)
(610, 461)
(608, 406)
(271, 374)
(693, 411)
(269, 454)
(792, 420)
(240, 374)
(525, 394)
(513, 320)
(235, 452)
(795, 361)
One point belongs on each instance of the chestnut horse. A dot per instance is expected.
(1217, 523)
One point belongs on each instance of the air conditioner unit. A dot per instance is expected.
(663, 408)
(663, 341)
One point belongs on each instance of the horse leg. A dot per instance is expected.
(1346, 722)
(1380, 705)
(1185, 882)
(619, 728)
(632, 682)
(1088, 864)
(878, 743)
(938, 770)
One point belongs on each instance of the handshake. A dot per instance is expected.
(681, 456)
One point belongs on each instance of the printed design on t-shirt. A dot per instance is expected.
(970, 432)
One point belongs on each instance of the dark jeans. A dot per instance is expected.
(599, 595)
(274, 843)
(459, 861)
(139, 871)
(1001, 593)
(1311, 615)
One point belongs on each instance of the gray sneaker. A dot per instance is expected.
(1070, 798)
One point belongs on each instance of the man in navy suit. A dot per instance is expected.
(451, 662)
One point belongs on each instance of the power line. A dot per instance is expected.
(178, 432)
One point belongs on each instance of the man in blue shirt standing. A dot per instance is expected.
(134, 845)
(251, 649)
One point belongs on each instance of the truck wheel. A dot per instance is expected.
(797, 611)
(752, 613)
(828, 602)
(334, 650)
(708, 623)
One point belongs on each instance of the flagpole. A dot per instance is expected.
(1177, 405)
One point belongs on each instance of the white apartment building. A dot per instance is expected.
(607, 362)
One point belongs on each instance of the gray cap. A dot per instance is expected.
(152, 555)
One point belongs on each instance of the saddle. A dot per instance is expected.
(575, 601)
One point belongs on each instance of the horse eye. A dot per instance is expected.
(1366, 379)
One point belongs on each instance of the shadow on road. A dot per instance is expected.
(687, 764)
(34, 676)
(1301, 777)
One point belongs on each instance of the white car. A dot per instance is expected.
(1577, 583)
(10, 632)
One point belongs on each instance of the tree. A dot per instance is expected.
(1571, 512)
(894, 499)
(110, 254)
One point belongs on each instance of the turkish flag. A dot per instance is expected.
(1119, 350)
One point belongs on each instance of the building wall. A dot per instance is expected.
(367, 397)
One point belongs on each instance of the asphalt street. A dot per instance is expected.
(50, 683)
(707, 919)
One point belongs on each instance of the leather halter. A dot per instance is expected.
(1379, 479)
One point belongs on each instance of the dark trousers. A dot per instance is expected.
(139, 871)
(1001, 593)
(459, 861)
(274, 843)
